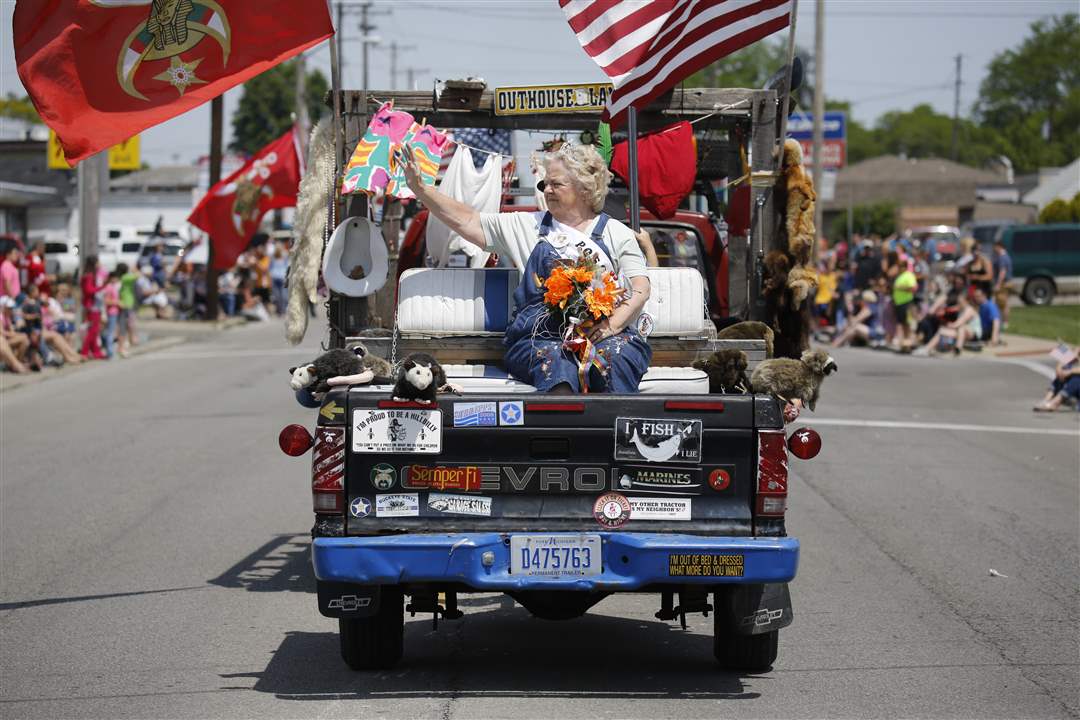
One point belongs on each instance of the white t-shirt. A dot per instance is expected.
(514, 235)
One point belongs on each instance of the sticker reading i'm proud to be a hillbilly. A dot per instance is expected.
(396, 431)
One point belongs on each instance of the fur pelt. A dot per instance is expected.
(790, 379)
(799, 209)
(381, 370)
(802, 281)
(791, 325)
(305, 258)
(749, 330)
(726, 369)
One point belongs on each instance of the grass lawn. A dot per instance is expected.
(1050, 321)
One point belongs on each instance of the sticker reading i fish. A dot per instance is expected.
(658, 440)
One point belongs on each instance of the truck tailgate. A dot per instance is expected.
(683, 464)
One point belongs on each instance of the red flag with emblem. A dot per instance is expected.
(232, 210)
(101, 71)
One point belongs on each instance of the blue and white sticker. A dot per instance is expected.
(511, 412)
(360, 507)
(474, 414)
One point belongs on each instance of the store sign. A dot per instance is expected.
(125, 156)
(533, 99)
(834, 146)
(833, 153)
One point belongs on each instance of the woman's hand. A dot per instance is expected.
(410, 168)
(603, 330)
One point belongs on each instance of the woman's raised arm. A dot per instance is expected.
(458, 216)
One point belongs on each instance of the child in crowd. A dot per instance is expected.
(92, 309)
(110, 296)
(126, 332)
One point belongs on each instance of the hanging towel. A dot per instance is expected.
(481, 190)
(667, 166)
(373, 166)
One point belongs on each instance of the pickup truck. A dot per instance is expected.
(557, 501)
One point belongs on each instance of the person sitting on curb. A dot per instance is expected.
(967, 325)
(1065, 385)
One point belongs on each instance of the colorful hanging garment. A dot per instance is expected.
(373, 166)
(667, 166)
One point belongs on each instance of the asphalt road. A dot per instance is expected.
(153, 563)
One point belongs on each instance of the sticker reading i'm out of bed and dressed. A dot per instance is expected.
(658, 440)
(706, 565)
(397, 431)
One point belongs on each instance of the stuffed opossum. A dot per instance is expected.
(726, 369)
(331, 364)
(305, 258)
(749, 330)
(789, 379)
(419, 378)
(382, 370)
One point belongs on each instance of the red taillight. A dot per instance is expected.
(709, 406)
(328, 470)
(804, 443)
(772, 473)
(570, 407)
(294, 440)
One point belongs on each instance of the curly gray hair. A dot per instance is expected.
(588, 170)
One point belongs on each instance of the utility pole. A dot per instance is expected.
(88, 173)
(956, 112)
(217, 112)
(819, 116)
(394, 50)
(300, 98)
(366, 39)
(410, 76)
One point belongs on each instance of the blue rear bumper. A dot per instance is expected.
(629, 561)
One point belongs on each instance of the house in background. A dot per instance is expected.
(1062, 184)
(927, 191)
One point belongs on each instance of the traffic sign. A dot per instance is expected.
(124, 156)
(834, 153)
(801, 125)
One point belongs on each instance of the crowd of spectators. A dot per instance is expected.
(894, 293)
(40, 314)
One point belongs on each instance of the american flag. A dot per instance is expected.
(647, 48)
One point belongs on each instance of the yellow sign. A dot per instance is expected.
(705, 565)
(330, 409)
(124, 156)
(530, 100)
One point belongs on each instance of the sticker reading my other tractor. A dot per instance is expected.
(397, 431)
(706, 565)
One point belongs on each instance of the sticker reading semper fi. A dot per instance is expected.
(397, 431)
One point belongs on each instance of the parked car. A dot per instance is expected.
(942, 241)
(1046, 260)
(986, 232)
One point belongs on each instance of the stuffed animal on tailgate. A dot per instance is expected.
(726, 369)
(790, 379)
(419, 378)
(338, 362)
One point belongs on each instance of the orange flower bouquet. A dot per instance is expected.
(579, 295)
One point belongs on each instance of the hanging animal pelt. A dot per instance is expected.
(309, 227)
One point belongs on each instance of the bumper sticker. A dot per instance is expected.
(396, 431)
(611, 510)
(460, 504)
(360, 507)
(706, 565)
(657, 480)
(720, 479)
(397, 505)
(474, 414)
(383, 476)
(659, 508)
(511, 412)
(658, 440)
(418, 477)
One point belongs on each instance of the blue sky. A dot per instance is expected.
(880, 54)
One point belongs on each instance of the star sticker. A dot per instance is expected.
(181, 74)
(510, 414)
(360, 507)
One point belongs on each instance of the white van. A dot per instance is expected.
(116, 244)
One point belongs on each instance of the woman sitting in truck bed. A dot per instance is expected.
(575, 185)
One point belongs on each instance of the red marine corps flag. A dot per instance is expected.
(100, 71)
(231, 210)
(647, 48)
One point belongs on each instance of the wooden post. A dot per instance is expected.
(635, 200)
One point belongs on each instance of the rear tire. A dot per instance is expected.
(375, 643)
(1039, 291)
(746, 653)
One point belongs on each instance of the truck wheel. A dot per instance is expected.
(1039, 291)
(375, 643)
(748, 653)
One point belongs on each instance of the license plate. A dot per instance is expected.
(555, 555)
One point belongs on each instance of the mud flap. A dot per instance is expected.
(346, 600)
(755, 608)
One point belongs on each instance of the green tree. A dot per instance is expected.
(922, 133)
(1031, 95)
(875, 219)
(18, 108)
(267, 106)
(1061, 211)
